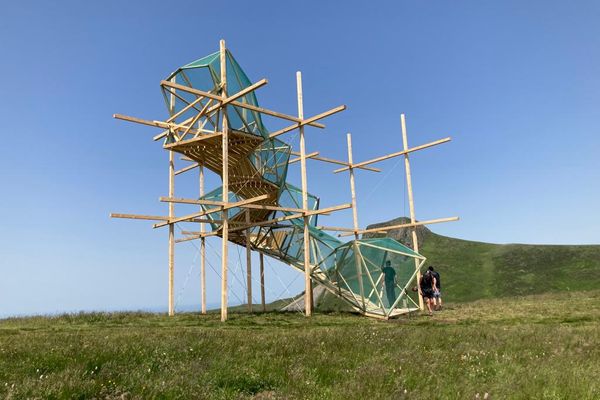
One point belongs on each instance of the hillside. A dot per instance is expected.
(476, 270)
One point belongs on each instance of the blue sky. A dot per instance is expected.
(515, 84)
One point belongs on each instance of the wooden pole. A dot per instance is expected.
(248, 263)
(308, 305)
(239, 104)
(202, 250)
(262, 282)
(171, 216)
(396, 154)
(352, 188)
(357, 262)
(386, 229)
(225, 176)
(411, 205)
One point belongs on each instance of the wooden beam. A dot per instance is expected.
(308, 121)
(296, 216)
(309, 155)
(357, 262)
(206, 111)
(202, 248)
(183, 110)
(185, 169)
(193, 140)
(195, 119)
(352, 191)
(139, 216)
(224, 207)
(195, 233)
(308, 303)
(399, 153)
(335, 228)
(191, 201)
(166, 218)
(338, 162)
(154, 123)
(225, 188)
(195, 237)
(239, 94)
(411, 204)
(248, 263)
(247, 106)
(399, 226)
(262, 282)
(208, 117)
(220, 203)
(183, 123)
(171, 215)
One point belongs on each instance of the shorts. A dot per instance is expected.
(427, 294)
(437, 294)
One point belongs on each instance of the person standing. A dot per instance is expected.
(389, 282)
(427, 283)
(437, 290)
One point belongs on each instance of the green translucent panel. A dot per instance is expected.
(271, 160)
(204, 61)
(390, 279)
(205, 74)
(291, 197)
(326, 242)
(237, 80)
(291, 245)
(217, 195)
(360, 270)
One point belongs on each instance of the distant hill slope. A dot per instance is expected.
(476, 270)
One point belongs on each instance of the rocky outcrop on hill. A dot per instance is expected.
(403, 235)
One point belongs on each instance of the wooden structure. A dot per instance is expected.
(215, 124)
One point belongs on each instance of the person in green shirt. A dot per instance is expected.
(389, 282)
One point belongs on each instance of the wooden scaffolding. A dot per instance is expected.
(226, 151)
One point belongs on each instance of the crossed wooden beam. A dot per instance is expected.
(215, 103)
(349, 166)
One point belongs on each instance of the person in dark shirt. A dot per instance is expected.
(389, 282)
(437, 291)
(427, 284)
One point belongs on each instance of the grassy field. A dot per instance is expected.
(543, 346)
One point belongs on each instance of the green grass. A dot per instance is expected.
(542, 346)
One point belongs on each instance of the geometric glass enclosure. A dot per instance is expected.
(373, 275)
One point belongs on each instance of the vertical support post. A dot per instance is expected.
(202, 250)
(357, 262)
(262, 282)
(171, 216)
(308, 303)
(411, 205)
(248, 263)
(352, 189)
(225, 176)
